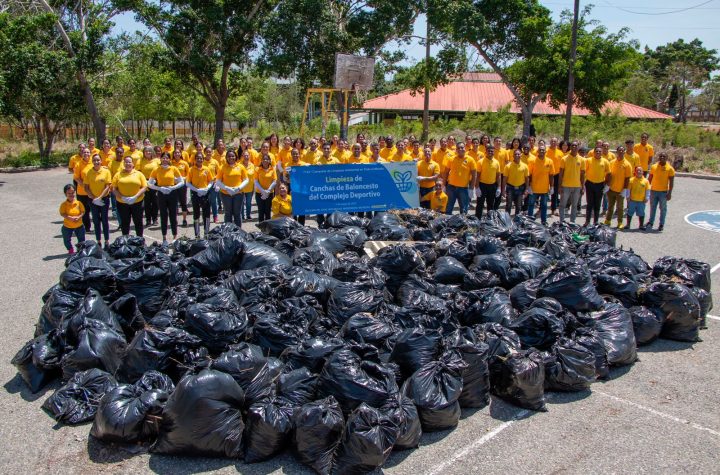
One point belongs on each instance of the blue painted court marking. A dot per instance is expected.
(708, 220)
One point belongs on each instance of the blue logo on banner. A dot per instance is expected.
(323, 189)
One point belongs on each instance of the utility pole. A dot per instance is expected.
(571, 74)
(426, 103)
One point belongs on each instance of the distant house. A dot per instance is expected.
(478, 92)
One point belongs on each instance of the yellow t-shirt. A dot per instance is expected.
(417, 156)
(427, 169)
(516, 173)
(460, 171)
(619, 171)
(596, 169)
(129, 183)
(341, 156)
(397, 157)
(326, 161)
(285, 156)
(165, 176)
(386, 152)
(146, 166)
(72, 209)
(526, 158)
(572, 166)
(73, 161)
(232, 175)
(106, 158)
(352, 160)
(556, 155)
(281, 207)
(500, 155)
(79, 173)
(437, 202)
(200, 177)
(250, 169)
(633, 159)
(488, 168)
(661, 177)
(610, 156)
(646, 154)
(136, 155)
(476, 155)
(219, 157)
(265, 177)
(115, 166)
(97, 180)
(212, 165)
(182, 167)
(540, 172)
(311, 157)
(638, 188)
(441, 157)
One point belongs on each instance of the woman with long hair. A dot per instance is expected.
(249, 189)
(231, 180)
(130, 186)
(72, 212)
(200, 181)
(97, 183)
(167, 180)
(179, 162)
(265, 182)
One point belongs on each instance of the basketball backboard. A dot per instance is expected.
(354, 70)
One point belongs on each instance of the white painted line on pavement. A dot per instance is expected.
(713, 317)
(659, 414)
(717, 266)
(479, 442)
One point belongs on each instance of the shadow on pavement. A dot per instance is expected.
(55, 257)
(502, 411)
(17, 386)
(100, 452)
(556, 397)
(662, 345)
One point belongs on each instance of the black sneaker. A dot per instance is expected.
(661, 227)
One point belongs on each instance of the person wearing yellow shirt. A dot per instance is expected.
(489, 180)
(639, 188)
(265, 152)
(231, 181)
(443, 154)
(459, 173)
(606, 153)
(120, 142)
(572, 181)
(356, 155)
(220, 152)
(416, 152)
(515, 182)
(428, 173)
(273, 144)
(484, 144)
(555, 153)
(75, 158)
(283, 155)
(299, 144)
(179, 162)
(531, 144)
(129, 187)
(620, 174)
(97, 184)
(312, 154)
(341, 153)
(375, 154)
(147, 163)
(630, 155)
(437, 198)
(399, 155)
(281, 203)
(334, 143)
(326, 158)
(452, 143)
(167, 180)
(194, 147)
(249, 189)
(597, 178)
(91, 146)
(646, 152)
(167, 145)
(662, 180)
(213, 194)
(389, 148)
(541, 170)
(180, 145)
(265, 182)
(79, 174)
(133, 151)
(526, 155)
(200, 180)
(365, 150)
(107, 154)
(474, 151)
(72, 212)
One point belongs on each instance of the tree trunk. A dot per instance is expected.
(220, 119)
(39, 138)
(426, 100)
(527, 118)
(174, 129)
(571, 73)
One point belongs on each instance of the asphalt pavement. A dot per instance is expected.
(660, 415)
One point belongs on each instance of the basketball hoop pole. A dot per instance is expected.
(345, 117)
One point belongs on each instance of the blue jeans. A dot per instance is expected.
(247, 201)
(459, 194)
(543, 206)
(100, 220)
(233, 207)
(658, 198)
(214, 199)
(67, 235)
(636, 208)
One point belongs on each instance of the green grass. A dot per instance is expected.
(32, 159)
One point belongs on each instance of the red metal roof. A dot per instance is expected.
(480, 94)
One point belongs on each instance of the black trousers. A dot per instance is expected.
(182, 199)
(593, 195)
(168, 205)
(233, 208)
(424, 191)
(150, 206)
(200, 203)
(487, 195)
(555, 198)
(514, 195)
(134, 212)
(86, 218)
(264, 207)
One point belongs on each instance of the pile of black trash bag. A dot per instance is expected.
(248, 344)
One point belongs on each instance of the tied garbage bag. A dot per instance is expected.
(259, 255)
(487, 245)
(569, 366)
(570, 283)
(128, 314)
(352, 381)
(398, 262)
(524, 294)
(365, 328)
(92, 307)
(78, 400)
(38, 360)
(223, 253)
(619, 283)
(689, 271)
(203, 417)
(678, 306)
(88, 248)
(646, 325)
(125, 247)
(280, 228)
(501, 340)
(498, 264)
(145, 278)
(297, 387)
(602, 233)
(249, 368)
(99, 346)
(529, 259)
(614, 326)
(217, 326)
(276, 331)
(315, 259)
(414, 348)
(538, 327)
(318, 429)
(476, 375)
(519, 379)
(350, 298)
(435, 389)
(338, 219)
(705, 300)
(449, 270)
(591, 340)
(402, 411)
(311, 353)
(89, 273)
(480, 279)
(267, 430)
(489, 306)
(56, 303)
(367, 441)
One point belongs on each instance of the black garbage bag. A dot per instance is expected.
(155, 381)
(570, 283)
(705, 300)
(145, 278)
(619, 283)
(361, 272)
(531, 260)
(391, 233)
(614, 326)
(248, 366)
(223, 253)
(259, 255)
(689, 271)
(498, 224)
(266, 239)
(350, 298)
(602, 233)
(216, 325)
(126, 247)
(646, 324)
(480, 279)
(203, 417)
(315, 259)
(398, 262)
(78, 400)
(225, 229)
(449, 270)
(367, 441)
(252, 287)
(519, 379)
(267, 429)
(538, 327)
(274, 332)
(678, 306)
(92, 307)
(524, 294)
(569, 366)
(460, 251)
(299, 282)
(89, 273)
(311, 353)
(38, 360)
(366, 328)
(297, 387)
(402, 411)
(501, 340)
(128, 314)
(557, 249)
(333, 243)
(99, 346)
(435, 389)
(87, 248)
(498, 264)
(57, 302)
(423, 235)
(489, 306)
(338, 219)
(318, 428)
(414, 348)
(487, 245)
(476, 375)
(591, 340)
(353, 381)
(280, 228)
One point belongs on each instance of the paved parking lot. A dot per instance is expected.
(660, 415)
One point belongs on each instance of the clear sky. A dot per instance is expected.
(652, 22)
